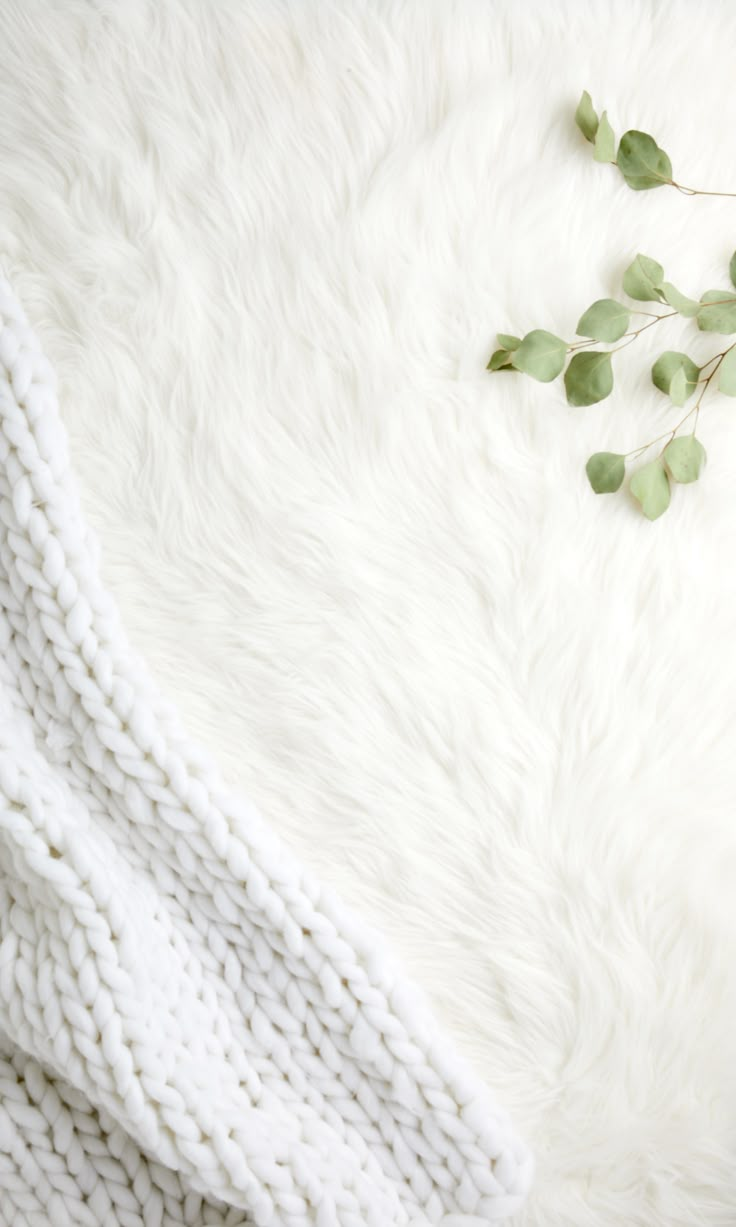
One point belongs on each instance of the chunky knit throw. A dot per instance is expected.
(192, 1030)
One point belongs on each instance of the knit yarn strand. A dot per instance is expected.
(192, 1030)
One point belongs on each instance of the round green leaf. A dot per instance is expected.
(641, 161)
(606, 472)
(717, 311)
(732, 268)
(508, 342)
(643, 279)
(541, 355)
(606, 320)
(604, 145)
(685, 458)
(650, 486)
(586, 118)
(727, 374)
(499, 360)
(680, 302)
(665, 369)
(589, 378)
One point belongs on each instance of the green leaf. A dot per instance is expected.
(685, 458)
(732, 268)
(641, 161)
(679, 387)
(717, 311)
(606, 320)
(586, 118)
(606, 472)
(604, 146)
(650, 486)
(727, 374)
(508, 342)
(589, 378)
(643, 279)
(500, 359)
(680, 302)
(666, 368)
(541, 355)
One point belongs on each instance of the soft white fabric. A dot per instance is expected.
(267, 247)
(171, 979)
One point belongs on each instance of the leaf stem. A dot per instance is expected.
(714, 358)
(718, 360)
(694, 409)
(696, 191)
(633, 334)
(581, 344)
(636, 332)
(667, 434)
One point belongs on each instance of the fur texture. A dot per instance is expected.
(267, 247)
(220, 1040)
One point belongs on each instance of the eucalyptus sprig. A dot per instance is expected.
(589, 375)
(639, 158)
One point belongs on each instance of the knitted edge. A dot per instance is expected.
(481, 1122)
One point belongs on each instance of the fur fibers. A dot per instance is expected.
(267, 247)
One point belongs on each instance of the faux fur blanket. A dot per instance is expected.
(268, 245)
(191, 1026)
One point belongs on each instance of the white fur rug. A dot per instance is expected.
(268, 246)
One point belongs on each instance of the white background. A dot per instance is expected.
(267, 247)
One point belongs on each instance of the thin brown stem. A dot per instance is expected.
(667, 434)
(693, 411)
(696, 407)
(636, 332)
(581, 344)
(696, 191)
(632, 335)
(718, 358)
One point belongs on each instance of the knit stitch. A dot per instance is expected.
(192, 1030)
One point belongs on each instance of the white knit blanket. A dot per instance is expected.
(193, 1031)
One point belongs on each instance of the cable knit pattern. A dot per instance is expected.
(192, 1030)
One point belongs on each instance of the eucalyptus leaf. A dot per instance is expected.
(541, 355)
(499, 360)
(641, 161)
(606, 471)
(585, 117)
(589, 378)
(650, 486)
(717, 311)
(508, 341)
(679, 387)
(732, 269)
(604, 146)
(680, 302)
(685, 458)
(727, 374)
(643, 279)
(666, 368)
(606, 320)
